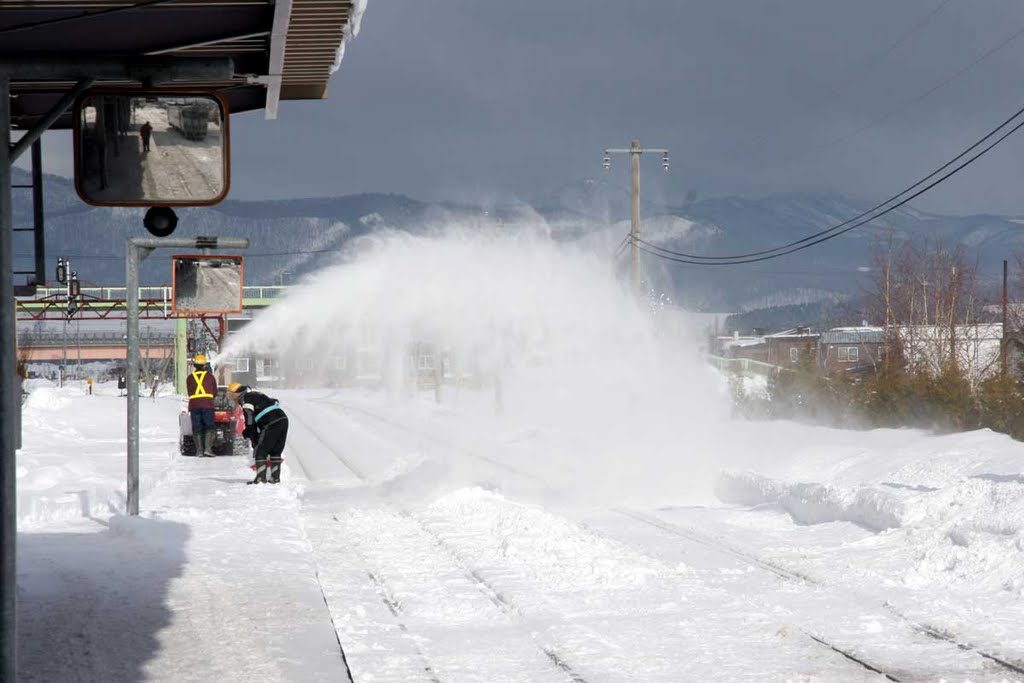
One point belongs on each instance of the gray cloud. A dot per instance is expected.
(466, 99)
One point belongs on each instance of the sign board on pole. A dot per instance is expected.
(204, 284)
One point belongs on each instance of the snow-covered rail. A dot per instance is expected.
(788, 574)
(471, 577)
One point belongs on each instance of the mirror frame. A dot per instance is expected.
(192, 312)
(162, 92)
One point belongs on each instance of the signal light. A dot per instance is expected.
(62, 271)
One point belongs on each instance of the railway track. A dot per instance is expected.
(473, 577)
(997, 661)
(791, 575)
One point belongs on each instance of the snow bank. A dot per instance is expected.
(31, 385)
(48, 399)
(812, 503)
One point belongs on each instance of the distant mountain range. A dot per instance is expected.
(591, 211)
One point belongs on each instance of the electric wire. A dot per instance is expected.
(851, 227)
(871, 62)
(622, 245)
(866, 65)
(903, 107)
(856, 221)
(829, 144)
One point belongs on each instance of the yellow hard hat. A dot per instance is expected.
(236, 388)
(199, 360)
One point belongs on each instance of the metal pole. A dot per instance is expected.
(37, 212)
(180, 354)
(64, 352)
(136, 250)
(634, 232)
(32, 136)
(132, 373)
(10, 403)
(1006, 305)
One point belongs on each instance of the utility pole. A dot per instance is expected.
(1006, 335)
(635, 150)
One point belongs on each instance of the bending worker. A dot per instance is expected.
(266, 427)
(201, 386)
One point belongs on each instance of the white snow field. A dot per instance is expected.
(439, 542)
(583, 510)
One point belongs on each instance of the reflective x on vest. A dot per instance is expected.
(200, 391)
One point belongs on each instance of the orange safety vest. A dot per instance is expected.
(200, 391)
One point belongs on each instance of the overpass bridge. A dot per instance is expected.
(42, 347)
(111, 303)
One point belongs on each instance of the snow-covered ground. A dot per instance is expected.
(446, 542)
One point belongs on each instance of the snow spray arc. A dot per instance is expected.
(548, 322)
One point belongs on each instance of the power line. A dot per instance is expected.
(902, 107)
(622, 245)
(869, 63)
(856, 221)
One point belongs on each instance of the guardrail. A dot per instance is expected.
(47, 339)
(746, 366)
(155, 293)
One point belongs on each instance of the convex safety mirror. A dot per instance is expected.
(204, 284)
(151, 148)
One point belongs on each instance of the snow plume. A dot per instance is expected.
(323, 242)
(560, 360)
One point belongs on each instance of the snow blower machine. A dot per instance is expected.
(227, 416)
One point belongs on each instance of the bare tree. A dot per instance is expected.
(927, 296)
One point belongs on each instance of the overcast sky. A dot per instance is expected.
(474, 100)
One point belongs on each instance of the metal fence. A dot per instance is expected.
(157, 293)
(745, 366)
(53, 339)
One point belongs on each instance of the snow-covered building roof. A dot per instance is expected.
(794, 333)
(740, 342)
(853, 335)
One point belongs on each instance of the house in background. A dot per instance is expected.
(851, 349)
(736, 346)
(976, 348)
(791, 347)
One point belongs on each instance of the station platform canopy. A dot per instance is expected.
(280, 50)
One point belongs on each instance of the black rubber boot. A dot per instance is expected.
(275, 471)
(261, 473)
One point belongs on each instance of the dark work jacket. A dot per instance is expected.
(255, 405)
(209, 385)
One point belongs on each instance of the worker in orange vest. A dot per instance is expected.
(201, 386)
